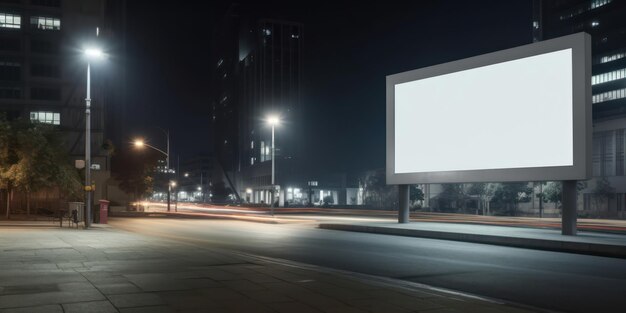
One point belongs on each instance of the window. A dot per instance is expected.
(580, 9)
(10, 20)
(45, 93)
(10, 44)
(612, 57)
(252, 144)
(45, 70)
(10, 93)
(46, 117)
(47, 3)
(607, 77)
(251, 161)
(609, 95)
(46, 23)
(10, 70)
(595, 24)
(42, 46)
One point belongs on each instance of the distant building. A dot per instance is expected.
(43, 70)
(195, 179)
(257, 74)
(605, 20)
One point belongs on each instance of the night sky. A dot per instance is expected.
(348, 50)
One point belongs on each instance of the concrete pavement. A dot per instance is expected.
(109, 270)
(601, 244)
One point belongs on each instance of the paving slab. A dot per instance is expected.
(48, 270)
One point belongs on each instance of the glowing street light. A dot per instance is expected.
(140, 143)
(94, 53)
(273, 120)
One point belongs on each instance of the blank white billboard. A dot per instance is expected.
(506, 116)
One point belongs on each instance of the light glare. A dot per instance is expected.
(273, 120)
(94, 53)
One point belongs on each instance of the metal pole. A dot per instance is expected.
(568, 215)
(177, 182)
(273, 187)
(403, 210)
(167, 171)
(88, 193)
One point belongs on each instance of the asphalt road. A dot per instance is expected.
(550, 280)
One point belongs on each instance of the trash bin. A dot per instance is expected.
(80, 210)
(104, 211)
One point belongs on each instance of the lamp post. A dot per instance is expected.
(140, 144)
(91, 54)
(273, 121)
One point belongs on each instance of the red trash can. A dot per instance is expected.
(104, 211)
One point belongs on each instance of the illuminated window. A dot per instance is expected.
(267, 31)
(10, 20)
(607, 77)
(580, 9)
(46, 117)
(609, 95)
(252, 144)
(251, 161)
(46, 23)
(595, 23)
(612, 57)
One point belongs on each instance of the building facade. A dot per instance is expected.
(43, 70)
(604, 21)
(258, 74)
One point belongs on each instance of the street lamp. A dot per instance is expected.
(90, 54)
(273, 121)
(139, 143)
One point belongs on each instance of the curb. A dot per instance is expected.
(606, 250)
(209, 216)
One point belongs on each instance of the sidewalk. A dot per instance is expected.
(592, 243)
(109, 270)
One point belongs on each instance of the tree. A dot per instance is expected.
(415, 194)
(377, 192)
(553, 192)
(452, 196)
(136, 171)
(509, 195)
(32, 158)
(603, 190)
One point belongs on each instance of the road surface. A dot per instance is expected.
(549, 280)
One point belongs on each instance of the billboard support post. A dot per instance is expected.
(568, 214)
(403, 210)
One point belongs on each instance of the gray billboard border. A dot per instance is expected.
(580, 43)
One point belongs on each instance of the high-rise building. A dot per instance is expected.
(257, 75)
(43, 68)
(605, 21)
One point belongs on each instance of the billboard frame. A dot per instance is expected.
(580, 43)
